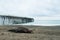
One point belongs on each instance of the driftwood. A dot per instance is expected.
(20, 30)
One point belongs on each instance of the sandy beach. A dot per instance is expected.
(39, 33)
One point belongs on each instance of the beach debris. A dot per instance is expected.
(20, 30)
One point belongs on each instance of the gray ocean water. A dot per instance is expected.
(47, 22)
(44, 22)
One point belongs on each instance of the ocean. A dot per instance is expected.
(44, 22)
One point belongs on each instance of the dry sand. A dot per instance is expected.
(40, 33)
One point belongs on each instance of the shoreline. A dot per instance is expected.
(41, 25)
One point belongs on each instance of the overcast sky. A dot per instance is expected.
(31, 8)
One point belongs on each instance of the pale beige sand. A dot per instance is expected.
(40, 33)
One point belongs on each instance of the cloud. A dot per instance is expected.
(57, 15)
(30, 8)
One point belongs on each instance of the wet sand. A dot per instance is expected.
(39, 33)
